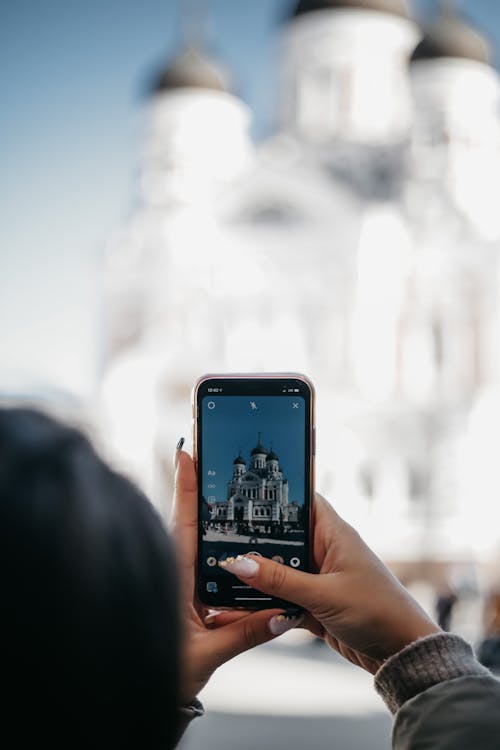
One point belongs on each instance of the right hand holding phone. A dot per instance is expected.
(354, 602)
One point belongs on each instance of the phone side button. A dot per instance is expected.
(314, 441)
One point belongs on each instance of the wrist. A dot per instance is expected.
(396, 638)
(409, 635)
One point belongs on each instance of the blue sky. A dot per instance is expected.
(73, 77)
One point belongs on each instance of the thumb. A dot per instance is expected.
(250, 631)
(304, 589)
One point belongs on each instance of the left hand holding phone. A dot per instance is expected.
(210, 639)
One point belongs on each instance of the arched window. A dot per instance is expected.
(367, 480)
(418, 482)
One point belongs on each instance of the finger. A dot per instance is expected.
(185, 508)
(184, 521)
(325, 513)
(304, 589)
(250, 631)
(219, 619)
(312, 625)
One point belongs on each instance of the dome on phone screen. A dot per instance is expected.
(259, 449)
(271, 456)
(396, 7)
(452, 37)
(239, 460)
(191, 69)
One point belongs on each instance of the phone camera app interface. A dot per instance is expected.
(253, 478)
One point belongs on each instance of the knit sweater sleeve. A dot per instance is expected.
(422, 664)
(186, 714)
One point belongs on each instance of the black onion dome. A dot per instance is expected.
(191, 69)
(452, 37)
(271, 456)
(259, 449)
(239, 460)
(396, 7)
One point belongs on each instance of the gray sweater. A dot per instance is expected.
(441, 696)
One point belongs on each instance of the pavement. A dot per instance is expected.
(231, 536)
(292, 693)
(254, 732)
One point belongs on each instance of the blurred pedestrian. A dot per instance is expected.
(445, 603)
(489, 648)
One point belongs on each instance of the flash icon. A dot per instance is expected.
(253, 405)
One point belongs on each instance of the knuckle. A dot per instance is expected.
(278, 577)
(250, 635)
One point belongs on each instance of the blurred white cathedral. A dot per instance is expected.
(358, 244)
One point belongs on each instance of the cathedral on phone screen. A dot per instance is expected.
(253, 477)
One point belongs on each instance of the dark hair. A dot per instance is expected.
(88, 597)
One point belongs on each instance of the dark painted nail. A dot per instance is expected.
(178, 448)
(291, 612)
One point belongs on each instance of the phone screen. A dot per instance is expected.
(254, 456)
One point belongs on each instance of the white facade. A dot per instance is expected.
(344, 76)
(358, 244)
(257, 496)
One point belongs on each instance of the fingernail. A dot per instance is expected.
(279, 624)
(178, 448)
(210, 619)
(241, 566)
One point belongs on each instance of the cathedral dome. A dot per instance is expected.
(239, 460)
(396, 7)
(271, 456)
(451, 37)
(191, 69)
(259, 449)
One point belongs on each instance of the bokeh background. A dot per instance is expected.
(270, 185)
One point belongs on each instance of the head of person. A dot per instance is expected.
(88, 597)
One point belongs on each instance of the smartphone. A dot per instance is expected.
(254, 439)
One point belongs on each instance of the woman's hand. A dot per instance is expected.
(355, 603)
(210, 639)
